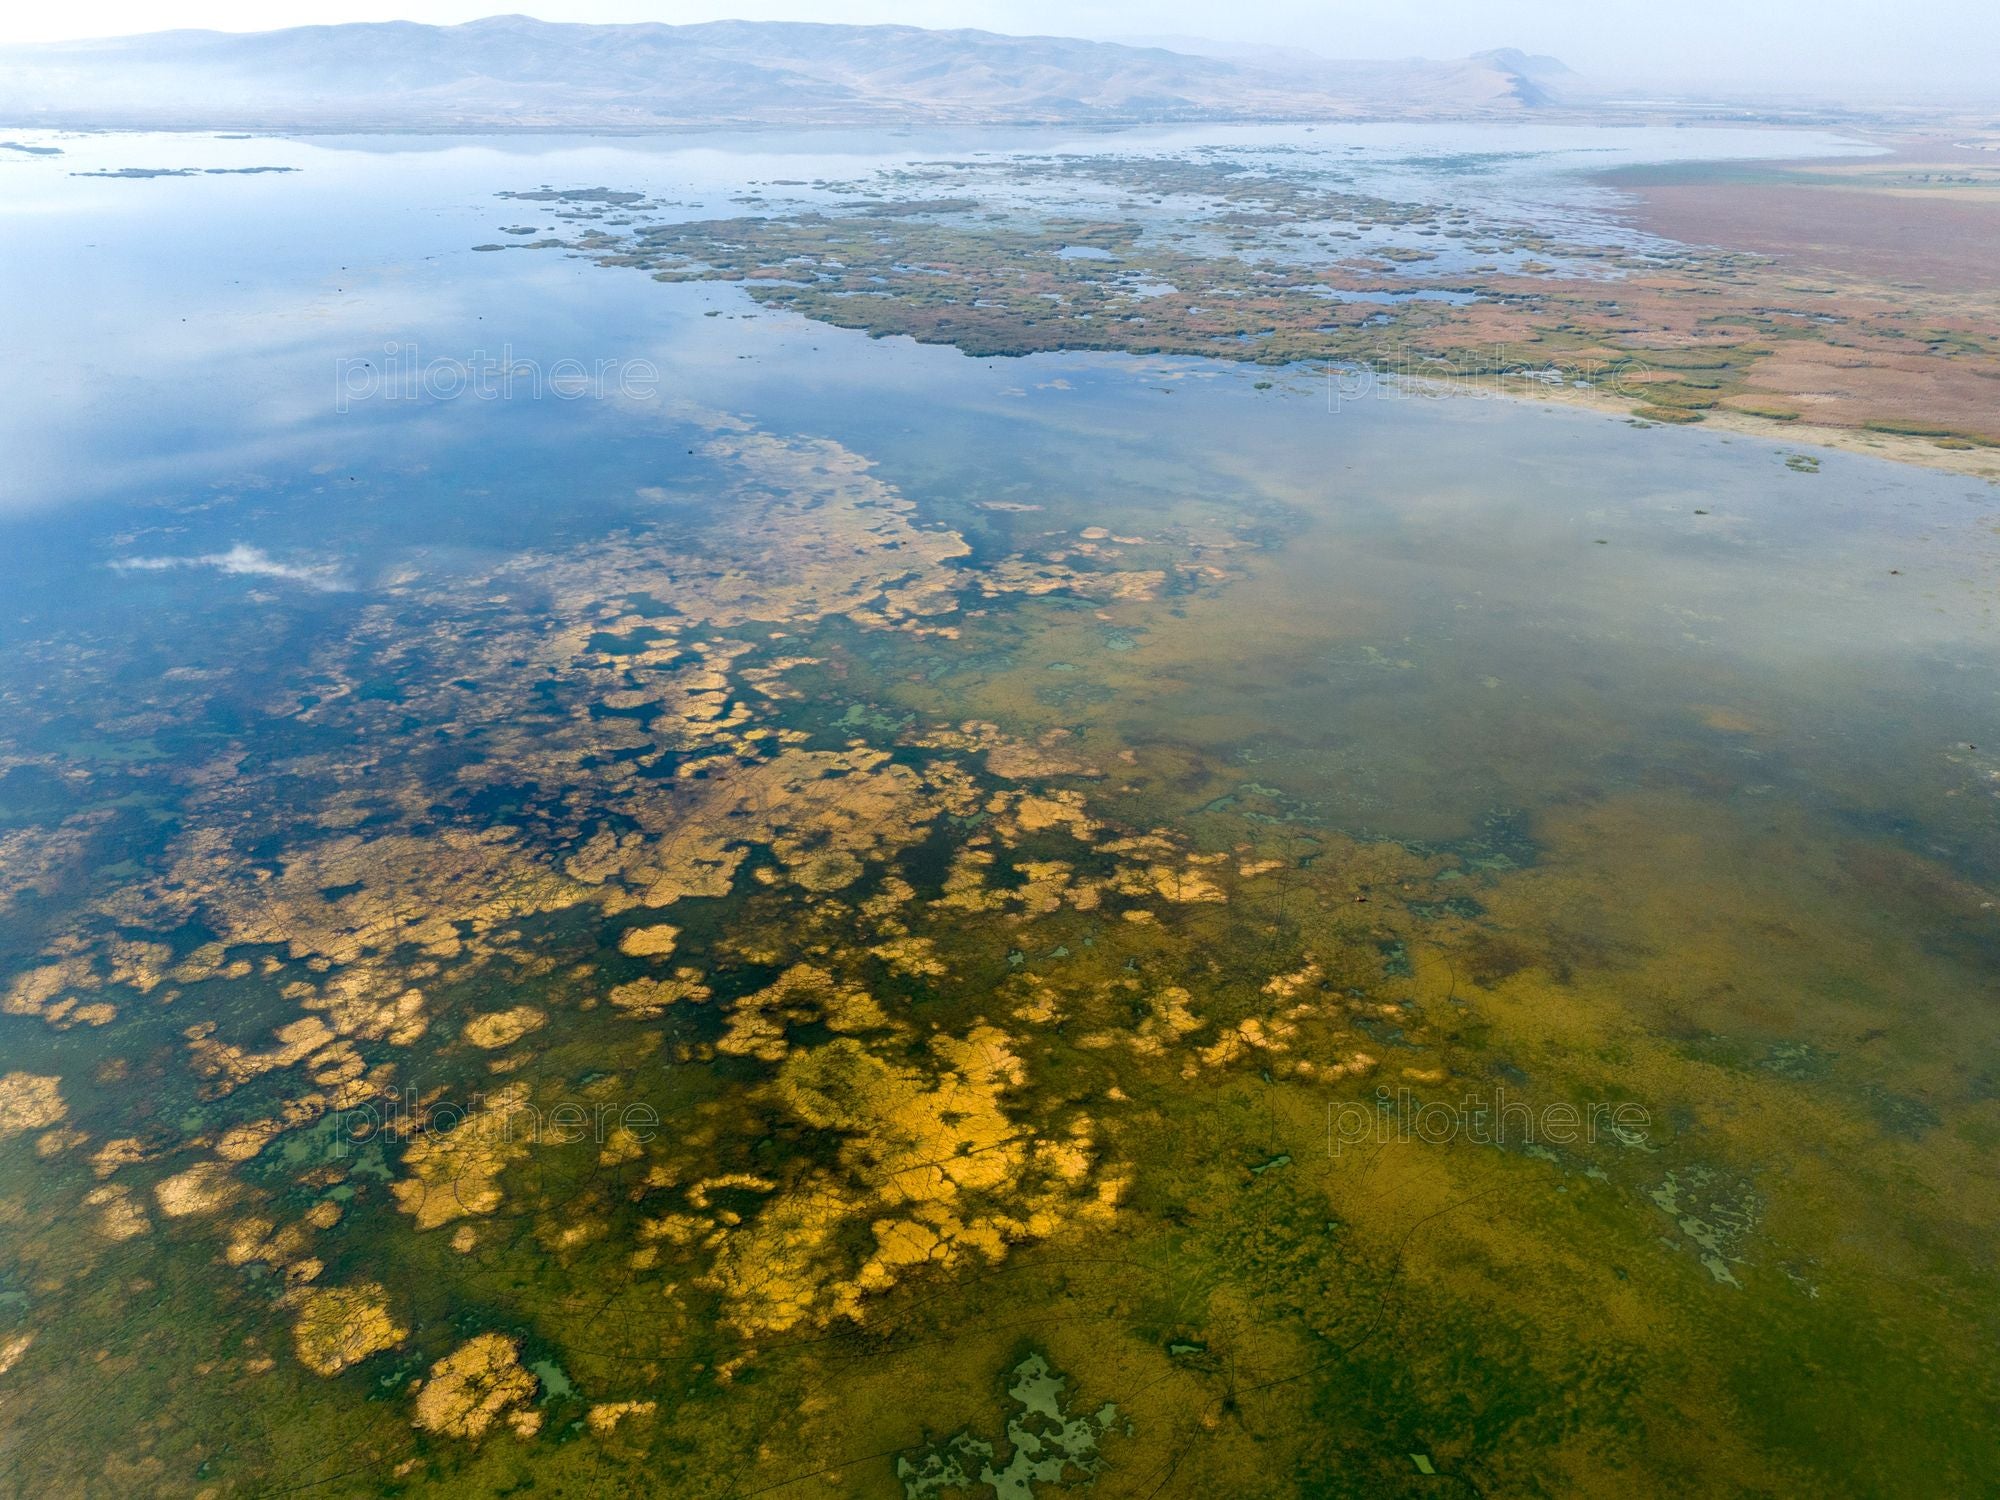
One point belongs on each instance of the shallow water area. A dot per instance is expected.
(753, 909)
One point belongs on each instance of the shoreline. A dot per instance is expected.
(1918, 452)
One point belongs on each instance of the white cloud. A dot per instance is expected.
(244, 561)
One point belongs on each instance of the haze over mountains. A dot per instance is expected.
(513, 72)
(1498, 78)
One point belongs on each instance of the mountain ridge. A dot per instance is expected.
(516, 72)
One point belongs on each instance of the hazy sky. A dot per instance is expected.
(1920, 46)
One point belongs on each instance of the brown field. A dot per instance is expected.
(1927, 215)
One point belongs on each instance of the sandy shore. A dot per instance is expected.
(1975, 463)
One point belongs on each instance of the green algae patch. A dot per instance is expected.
(1048, 1446)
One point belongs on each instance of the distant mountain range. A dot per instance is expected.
(1501, 78)
(512, 72)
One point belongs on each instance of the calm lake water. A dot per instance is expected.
(1527, 752)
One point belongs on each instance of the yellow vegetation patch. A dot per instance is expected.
(117, 1153)
(201, 1189)
(12, 1348)
(341, 1326)
(455, 1173)
(606, 1415)
(119, 1216)
(40, 992)
(648, 997)
(1015, 759)
(230, 1065)
(821, 813)
(920, 1147)
(503, 1028)
(393, 892)
(29, 1101)
(478, 1384)
(649, 942)
(916, 957)
(758, 1022)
